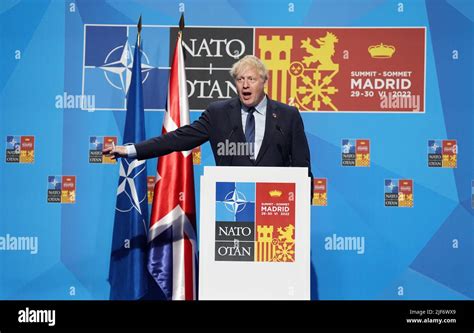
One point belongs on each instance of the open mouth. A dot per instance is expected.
(246, 94)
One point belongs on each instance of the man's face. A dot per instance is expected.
(250, 86)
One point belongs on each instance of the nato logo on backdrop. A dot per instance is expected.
(442, 153)
(96, 144)
(210, 54)
(62, 189)
(399, 193)
(20, 149)
(355, 152)
(108, 62)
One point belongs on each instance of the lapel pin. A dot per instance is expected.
(274, 115)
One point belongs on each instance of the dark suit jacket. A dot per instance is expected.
(284, 142)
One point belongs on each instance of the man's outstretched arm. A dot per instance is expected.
(184, 138)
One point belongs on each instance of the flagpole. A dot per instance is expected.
(139, 33)
(181, 26)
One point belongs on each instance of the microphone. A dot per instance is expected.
(279, 129)
(228, 138)
(278, 126)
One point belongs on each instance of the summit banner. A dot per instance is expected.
(345, 69)
(335, 70)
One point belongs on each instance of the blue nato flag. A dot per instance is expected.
(128, 275)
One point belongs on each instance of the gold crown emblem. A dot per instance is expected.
(275, 193)
(381, 51)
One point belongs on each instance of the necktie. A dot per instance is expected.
(250, 129)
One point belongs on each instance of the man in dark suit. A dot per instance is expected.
(248, 130)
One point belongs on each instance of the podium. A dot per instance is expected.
(254, 234)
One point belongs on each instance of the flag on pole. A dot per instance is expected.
(128, 275)
(172, 259)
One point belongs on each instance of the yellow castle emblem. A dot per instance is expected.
(280, 248)
(306, 84)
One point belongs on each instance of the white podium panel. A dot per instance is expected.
(254, 234)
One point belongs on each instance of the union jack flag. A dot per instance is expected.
(172, 253)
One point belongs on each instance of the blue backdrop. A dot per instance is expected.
(53, 51)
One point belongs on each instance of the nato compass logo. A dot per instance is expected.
(108, 63)
(235, 221)
(127, 193)
(348, 152)
(54, 189)
(13, 149)
(235, 202)
(435, 155)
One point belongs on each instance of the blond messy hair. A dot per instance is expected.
(249, 61)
